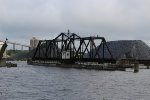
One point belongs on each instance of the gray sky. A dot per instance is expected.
(113, 19)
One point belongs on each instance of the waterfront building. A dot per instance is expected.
(34, 42)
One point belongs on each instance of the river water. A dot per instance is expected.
(27, 82)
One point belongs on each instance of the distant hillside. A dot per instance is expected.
(120, 49)
(22, 55)
(13, 52)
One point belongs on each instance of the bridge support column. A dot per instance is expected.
(22, 48)
(136, 67)
(14, 47)
(29, 48)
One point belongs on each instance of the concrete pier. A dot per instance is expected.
(106, 67)
(3, 63)
(136, 67)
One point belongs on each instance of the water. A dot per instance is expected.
(27, 82)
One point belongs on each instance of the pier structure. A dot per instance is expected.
(69, 48)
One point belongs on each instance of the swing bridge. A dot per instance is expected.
(69, 48)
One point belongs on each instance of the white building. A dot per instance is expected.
(34, 42)
(65, 54)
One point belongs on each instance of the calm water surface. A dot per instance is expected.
(28, 82)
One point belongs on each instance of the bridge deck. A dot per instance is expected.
(77, 60)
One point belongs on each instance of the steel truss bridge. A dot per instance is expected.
(81, 49)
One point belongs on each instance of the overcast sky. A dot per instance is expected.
(113, 19)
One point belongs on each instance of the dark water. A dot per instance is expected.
(49, 83)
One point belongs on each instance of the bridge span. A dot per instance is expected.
(14, 45)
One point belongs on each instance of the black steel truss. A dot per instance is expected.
(82, 49)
